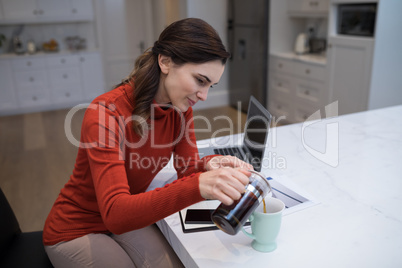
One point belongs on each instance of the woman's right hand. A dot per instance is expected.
(224, 184)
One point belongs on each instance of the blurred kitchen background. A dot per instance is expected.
(295, 56)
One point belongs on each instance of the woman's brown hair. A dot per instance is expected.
(185, 41)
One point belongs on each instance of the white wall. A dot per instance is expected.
(215, 13)
(124, 31)
(386, 81)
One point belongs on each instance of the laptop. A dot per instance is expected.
(255, 137)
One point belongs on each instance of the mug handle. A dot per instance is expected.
(247, 233)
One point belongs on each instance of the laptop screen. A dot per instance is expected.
(256, 131)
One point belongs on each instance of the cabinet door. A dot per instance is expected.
(19, 9)
(350, 61)
(92, 75)
(32, 88)
(82, 8)
(308, 8)
(53, 9)
(8, 98)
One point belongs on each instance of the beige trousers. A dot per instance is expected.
(145, 247)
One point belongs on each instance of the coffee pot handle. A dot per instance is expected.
(247, 233)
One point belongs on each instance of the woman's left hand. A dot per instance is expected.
(227, 161)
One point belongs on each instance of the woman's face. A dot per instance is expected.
(183, 86)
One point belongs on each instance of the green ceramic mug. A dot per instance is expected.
(265, 226)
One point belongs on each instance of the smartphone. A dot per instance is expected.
(199, 216)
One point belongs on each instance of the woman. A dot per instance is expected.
(103, 217)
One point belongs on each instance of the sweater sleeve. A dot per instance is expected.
(103, 133)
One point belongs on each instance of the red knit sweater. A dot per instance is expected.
(114, 167)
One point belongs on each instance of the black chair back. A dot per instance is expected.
(9, 225)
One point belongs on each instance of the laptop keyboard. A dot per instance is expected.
(235, 151)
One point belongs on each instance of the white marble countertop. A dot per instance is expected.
(358, 222)
(319, 59)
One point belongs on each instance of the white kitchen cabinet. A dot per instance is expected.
(52, 9)
(349, 66)
(30, 79)
(81, 8)
(296, 89)
(49, 81)
(8, 98)
(308, 8)
(65, 84)
(32, 88)
(64, 78)
(19, 9)
(365, 72)
(45, 11)
(92, 75)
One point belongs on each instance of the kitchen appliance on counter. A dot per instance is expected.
(302, 44)
(18, 45)
(31, 47)
(317, 45)
(76, 43)
(357, 19)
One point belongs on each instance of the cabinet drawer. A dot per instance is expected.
(28, 64)
(65, 76)
(309, 71)
(309, 91)
(307, 7)
(303, 113)
(32, 79)
(66, 94)
(279, 106)
(33, 97)
(281, 83)
(63, 61)
(281, 65)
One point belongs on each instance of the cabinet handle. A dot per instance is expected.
(308, 71)
(40, 12)
(31, 79)
(279, 84)
(34, 98)
(67, 94)
(82, 59)
(29, 63)
(74, 10)
(63, 60)
(307, 92)
(280, 65)
(35, 12)
(65, 76)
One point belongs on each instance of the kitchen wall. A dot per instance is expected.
(215, 13)
(387, 63)
(125, 30)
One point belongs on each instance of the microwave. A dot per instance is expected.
(357, 19)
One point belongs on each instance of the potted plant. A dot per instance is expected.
(2, 42)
